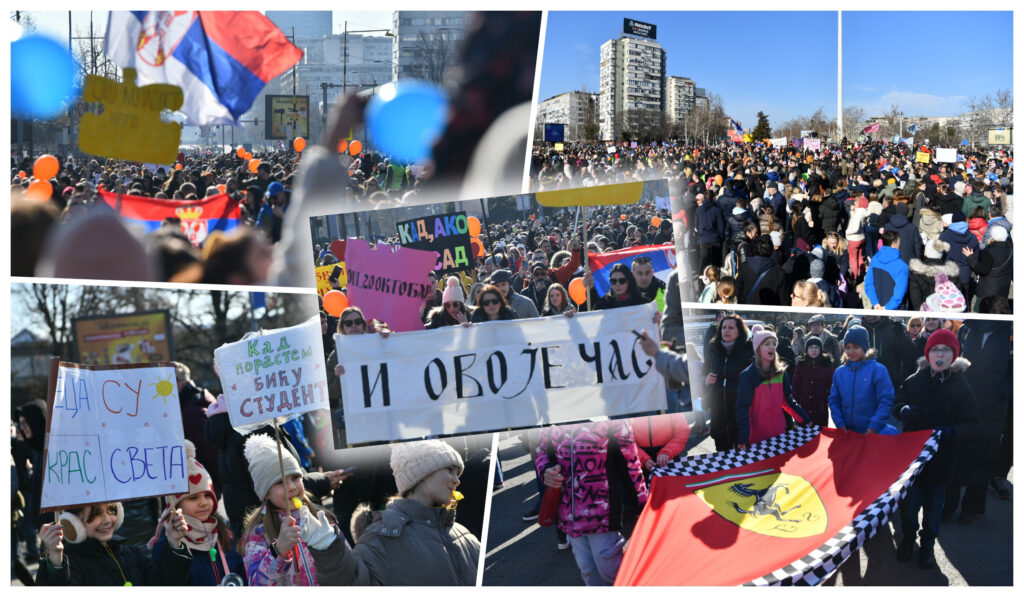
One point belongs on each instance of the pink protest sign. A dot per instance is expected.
(389, 283)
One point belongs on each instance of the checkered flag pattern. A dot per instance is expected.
(703, 464)
(821, 563)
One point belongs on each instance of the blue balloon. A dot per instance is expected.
(404, 119)
(42, 77)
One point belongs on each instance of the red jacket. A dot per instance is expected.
(671, 432)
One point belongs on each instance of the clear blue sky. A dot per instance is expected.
(784, 63)
(962, 54)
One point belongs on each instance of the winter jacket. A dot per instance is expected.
(770, 289)
(264, 569)
(831, 214)
(406, 544)
(811, 384)
(999, 222)
(524, 307)
(672, 321)
(948, 204)
(734, 226)
(721, 396)
(830, 345)
(861, 395)
(669, 433)
(95, 564)
(761, 404)
(994, 266)
(973, 201)
(910, 239)
(988, 345)
(939, 401)
(930, 223)
(710, 224)
(977, 227)
(480, 316)
(201, 572)
(591, 501)
(893, 348)
(921, 283)
(886, 280)
(858, 221)
(958, 237)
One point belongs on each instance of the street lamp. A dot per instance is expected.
(344, 70)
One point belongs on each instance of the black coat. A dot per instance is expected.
(893, 348)
(831, 214)
(771, 290)
(721, 396)
(89, 564)
(921, 282)
(994, 266)
(991, 378)
(734, 227)
(945, 401)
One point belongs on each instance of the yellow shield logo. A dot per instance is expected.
(774, 504)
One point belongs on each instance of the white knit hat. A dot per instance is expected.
(411, 462)
(452, 291)
(998, 233)
(264, 468)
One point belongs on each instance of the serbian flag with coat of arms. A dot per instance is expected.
(788, 511)
(663, 261)
(220, 59)
(198, 218)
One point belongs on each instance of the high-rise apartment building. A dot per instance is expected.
(425, 42)
(680, 97)
(571, 109)
(632, 78)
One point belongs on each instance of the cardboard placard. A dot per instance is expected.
(323, 273)
(389, 284)
(446, 234)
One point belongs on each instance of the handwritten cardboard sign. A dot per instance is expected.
(448, 234)
(279, 373)
(323, 273)
(130, 127)
(923, 157)
(499, 374)
(389, 284)
(114, 433)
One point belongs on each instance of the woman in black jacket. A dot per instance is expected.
(727, 355)
(96, 556)
(938, 396)
(623, 293)
(491, 306)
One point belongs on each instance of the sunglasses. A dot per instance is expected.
(449, 305)
(352, 322)
(618, 280)
(489, 302)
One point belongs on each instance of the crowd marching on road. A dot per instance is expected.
(857, 224)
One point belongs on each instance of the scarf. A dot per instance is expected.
(200, 535)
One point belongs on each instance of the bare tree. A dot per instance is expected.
(433, 54)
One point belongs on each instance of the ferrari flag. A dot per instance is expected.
(198, 218)
(788, 511)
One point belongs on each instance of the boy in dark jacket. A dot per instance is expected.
(761, 281)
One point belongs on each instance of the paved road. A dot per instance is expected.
(522, 553)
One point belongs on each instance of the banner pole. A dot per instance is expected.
(586, 253)
(51, 394)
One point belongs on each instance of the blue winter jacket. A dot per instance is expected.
(886, 281)
(861, 396)
(710, 223)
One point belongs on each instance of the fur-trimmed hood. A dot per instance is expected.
(959, 365)
(950, 268)
(362, 517)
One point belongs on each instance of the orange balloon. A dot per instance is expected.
(656, 221)
(299, 144)
(335, 302)
(223, 188)
(240, 152)
(177, 166)
(622, 217)
(355, 148)
(718, 179)
(578, 291)
(40, 190)
(247, 156)
(253, 165)
(46, 166)
(21, 174)
(479, 246)
(342, 145)
(474, 226)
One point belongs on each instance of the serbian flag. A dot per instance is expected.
(788, 511)
(663, 260)
(874, 128)
(220, 59)
(736, 126)
(198, 218)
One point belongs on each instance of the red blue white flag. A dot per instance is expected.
(198, 218)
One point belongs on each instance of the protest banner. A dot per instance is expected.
(559, 146)
(923, 157)
(278, 373)
(323, 274)
(389, 283)
(113, 433)
(447, 234)
(945, 155)
(498, 374)
(812, 144)
(778, 141)
(115, 339)
(788, 511)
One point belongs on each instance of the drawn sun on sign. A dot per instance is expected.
(164, 388)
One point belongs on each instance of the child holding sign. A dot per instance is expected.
(274, 551)
(206, 535)
(95, 556)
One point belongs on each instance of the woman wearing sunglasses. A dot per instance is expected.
(624, 291)
(491, 306)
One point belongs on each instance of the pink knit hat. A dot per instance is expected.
(453, 291)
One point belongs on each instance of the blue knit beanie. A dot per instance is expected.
(857, 335)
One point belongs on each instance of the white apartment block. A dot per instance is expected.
(569, 109)
(680, 97)
(632, 77)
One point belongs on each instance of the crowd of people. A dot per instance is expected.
(858, 224)
(249, 518)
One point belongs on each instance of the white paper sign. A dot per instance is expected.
(279, 373)
(779, 141)
(115, 434)
(945, 154)
(501, 374)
